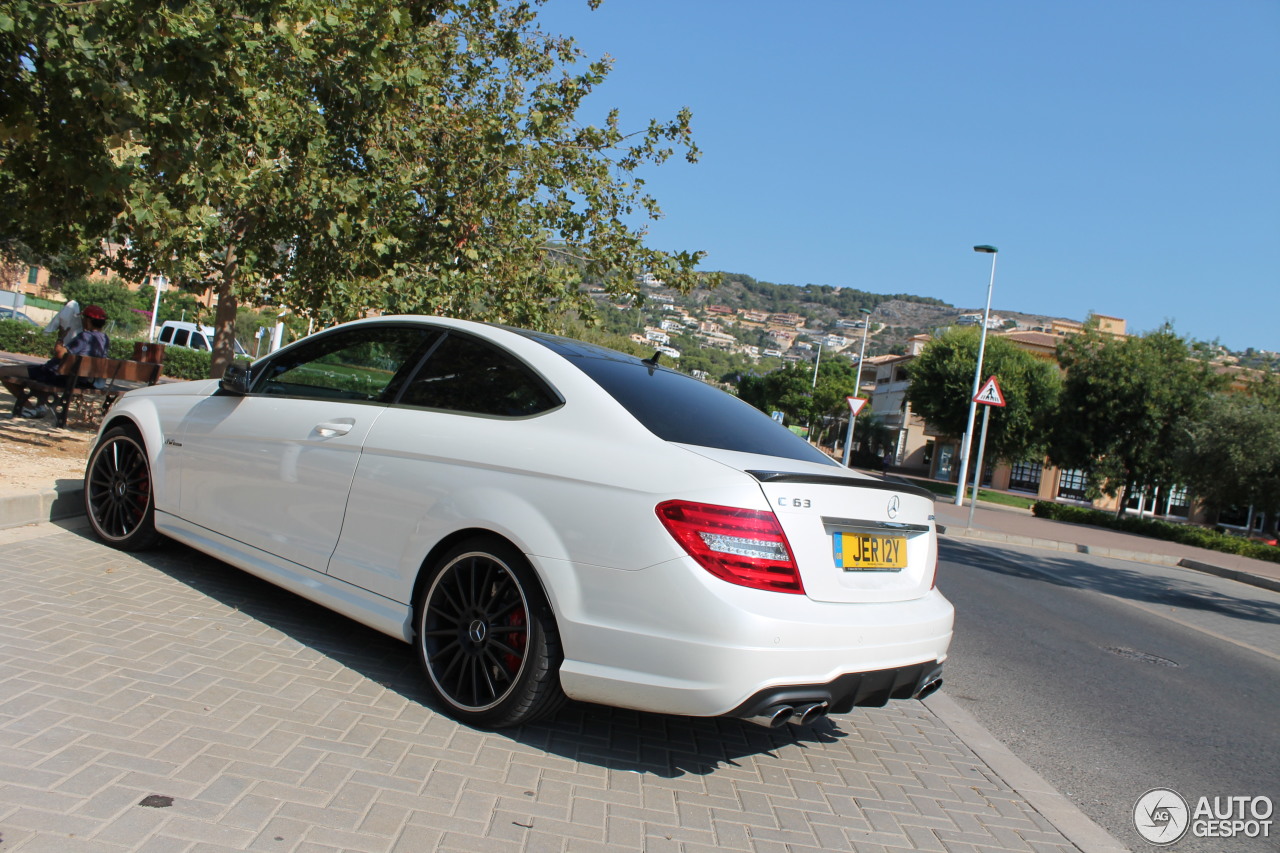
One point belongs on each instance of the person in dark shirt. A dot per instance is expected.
(92, 341)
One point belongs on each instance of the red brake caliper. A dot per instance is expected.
(515, 639)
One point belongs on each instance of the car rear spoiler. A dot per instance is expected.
(832, 480)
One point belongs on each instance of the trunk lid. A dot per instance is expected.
(853, 538)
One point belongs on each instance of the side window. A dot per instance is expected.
(464, 374)
(198, 341)
(166, 335)
(180, 337)
(353, 364)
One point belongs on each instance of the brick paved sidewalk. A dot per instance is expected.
(172, 703)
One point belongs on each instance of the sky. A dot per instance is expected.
(1123, 156)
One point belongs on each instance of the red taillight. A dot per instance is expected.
(742, 546)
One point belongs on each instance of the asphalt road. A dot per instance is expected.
(1111, 678)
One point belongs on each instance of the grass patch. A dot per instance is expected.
(948, 490)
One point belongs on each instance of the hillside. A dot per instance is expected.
(894, 317)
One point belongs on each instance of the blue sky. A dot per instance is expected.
(1123, 155)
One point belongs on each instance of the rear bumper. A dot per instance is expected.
(673, 639)
(854, 689)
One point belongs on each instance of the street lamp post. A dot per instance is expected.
(977, 379)
(857, 383)
(159, 282)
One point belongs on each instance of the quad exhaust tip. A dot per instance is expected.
(929, 688)
(774, 716)
(801, 715)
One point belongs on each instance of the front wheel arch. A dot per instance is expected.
(119, 490)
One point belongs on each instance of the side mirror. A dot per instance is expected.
(235, 380)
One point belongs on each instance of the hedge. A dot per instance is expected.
(1187, 534)
(26, 339)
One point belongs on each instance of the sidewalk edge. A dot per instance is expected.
(43, 506)
(1115, 554)
(1066, 817)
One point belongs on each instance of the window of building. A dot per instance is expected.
(33, 275)
(1179, 502)
(1073, 484)
(1026, 475)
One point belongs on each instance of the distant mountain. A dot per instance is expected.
(895, 317)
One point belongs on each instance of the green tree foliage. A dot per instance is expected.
(129, 311)
(1126, 408)
(942, 385)
(792, 391)
(1232, 455)
(337, 156)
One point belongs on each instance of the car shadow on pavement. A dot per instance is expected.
(1131, 584)
(611, 738)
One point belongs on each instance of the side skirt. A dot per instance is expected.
(367, 608)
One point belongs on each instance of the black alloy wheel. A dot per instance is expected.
(118, 497)
(486, 638)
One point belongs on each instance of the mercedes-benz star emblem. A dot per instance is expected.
(893, 506)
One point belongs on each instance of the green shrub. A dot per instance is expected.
(183, 363)
(179, 362)
(17, 336)
(1186, 534)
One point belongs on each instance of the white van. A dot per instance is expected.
(191, 335)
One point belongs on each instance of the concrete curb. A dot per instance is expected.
(1066, 817)
(1231, 574)
(39, 507)
(1113, 553)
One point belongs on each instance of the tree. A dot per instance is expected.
(793, 392)
(1232, 455)
(335, 156)
(1127, 405)
(942, 385)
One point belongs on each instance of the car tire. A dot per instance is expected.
(119, 500)
(486, 638)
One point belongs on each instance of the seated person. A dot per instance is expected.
(91, 342)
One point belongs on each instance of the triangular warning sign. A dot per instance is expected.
(990, 394)
(855, 404)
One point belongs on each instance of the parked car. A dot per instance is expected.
(176, 333)
(7, 313)
(540, 518)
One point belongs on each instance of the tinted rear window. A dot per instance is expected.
(676, 407)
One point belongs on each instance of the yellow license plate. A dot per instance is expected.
(861, 552)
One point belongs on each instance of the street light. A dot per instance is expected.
(857, 383)
(159, 282)
(977, 378)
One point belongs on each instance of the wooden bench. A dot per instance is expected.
(105, 379)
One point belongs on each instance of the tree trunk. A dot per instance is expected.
(224, 322)
(1124, 499)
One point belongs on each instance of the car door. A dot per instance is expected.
(273, 468)
(458, 423)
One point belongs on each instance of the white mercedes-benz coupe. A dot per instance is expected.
(540, 518)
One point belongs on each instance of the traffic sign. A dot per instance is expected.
(855, 404)
(990, 394)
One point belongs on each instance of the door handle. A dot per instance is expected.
(331, 428)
